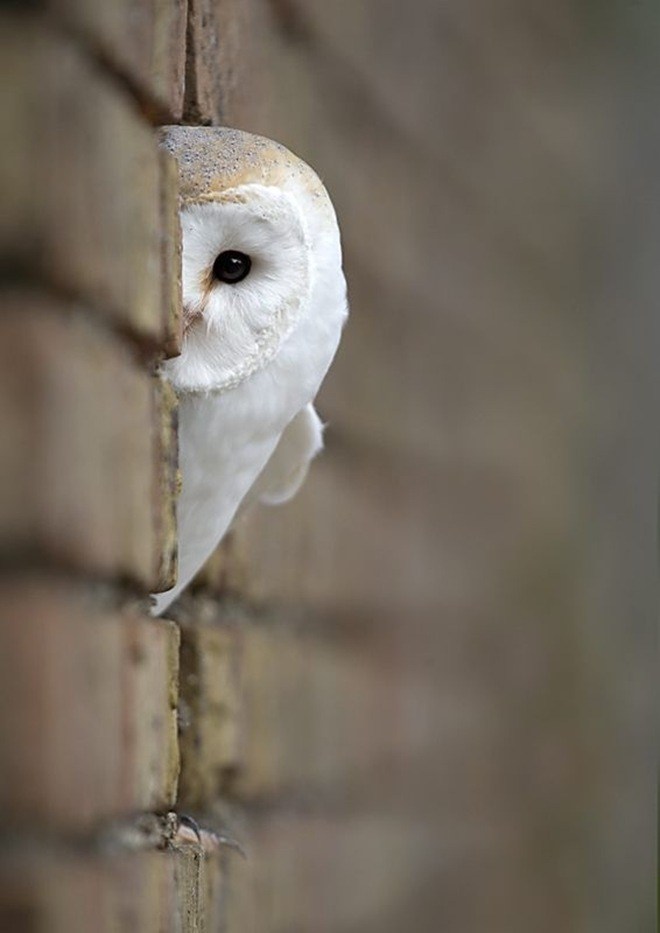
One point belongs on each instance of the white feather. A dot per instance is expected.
(254, 357)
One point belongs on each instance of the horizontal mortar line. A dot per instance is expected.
(96, 838)
(69, 303)
(113, 592)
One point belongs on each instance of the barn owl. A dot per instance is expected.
(264, 302)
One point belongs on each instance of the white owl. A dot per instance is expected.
(264, 302)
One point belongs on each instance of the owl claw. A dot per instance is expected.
(187, 827)
(189, 832)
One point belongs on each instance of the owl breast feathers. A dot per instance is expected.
(264, 302)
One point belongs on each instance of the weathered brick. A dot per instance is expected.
(199, 890)
(265, 712)
(407, 537)
(82, 169)
(315, 717)
(167, 488)
(93, 697)
(223, 60)
(224, 573)
(461, 53)
(379, 870)
(210, 705)
(144, 41)
(357, 519)
(329, 874)
(60, 891)
(78, 469)
(171, 255)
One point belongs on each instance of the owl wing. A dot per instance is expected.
(287, 468)
(206, 511)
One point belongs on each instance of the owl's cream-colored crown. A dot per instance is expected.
(214, 158)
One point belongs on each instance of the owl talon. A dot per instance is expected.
(188, 827)
(189, 832)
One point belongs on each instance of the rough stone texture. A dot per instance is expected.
(77, 462)
(93, 695)
(210, 713)
(171, 256)
(168, 487)
(298, 864)
(224, 573)
(60, 891)
(223, 59)
(266, 713)
(82, 175)
(142, 40)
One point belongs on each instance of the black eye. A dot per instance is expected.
(231, 266)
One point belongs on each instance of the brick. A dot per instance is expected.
(78, 469)
(210, 712)
(315, 717)
(460, 53)
(224, 573)
(60, 891)
(93, 696)
(265, 713)
(379, 871)
(199, 889)
(167, 489)
(171, 256)
(464, 388)
(357, 520)
(144, 41)
(85, 209)
(327, 873)
(223, 69)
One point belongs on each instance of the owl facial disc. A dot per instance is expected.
(236, 327)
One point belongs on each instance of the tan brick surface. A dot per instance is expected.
(224, 67)
(326, 873)
(51, 891)
(406, 536)
(314, 717)
(211, 712)
(144, 40)
(170, 256)
(78, 459)
(168, 486)
(266, 713)
(82, 172)
(93, 696)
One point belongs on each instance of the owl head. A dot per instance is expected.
(261, 257)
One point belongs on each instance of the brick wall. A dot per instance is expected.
(419, 695)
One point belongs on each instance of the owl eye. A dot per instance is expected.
(231, 266)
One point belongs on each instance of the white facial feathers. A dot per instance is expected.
(237, 328)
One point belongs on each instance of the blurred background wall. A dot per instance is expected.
(422, 694)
